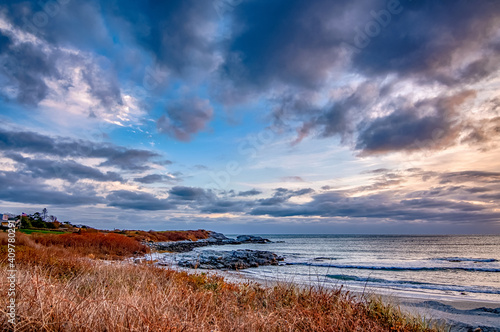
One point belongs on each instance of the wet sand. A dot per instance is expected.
(459, 314)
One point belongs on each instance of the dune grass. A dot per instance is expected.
(61, 289)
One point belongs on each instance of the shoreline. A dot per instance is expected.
(459, 314)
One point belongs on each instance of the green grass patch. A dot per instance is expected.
(42, 231)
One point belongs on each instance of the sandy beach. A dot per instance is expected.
(461, 315)
(458, 314)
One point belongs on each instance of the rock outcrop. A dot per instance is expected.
(251, 239)
(214, 239)
(234, 260)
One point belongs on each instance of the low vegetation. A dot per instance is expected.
(97, 244)
(164, 236)
(62, 286)
(42, 231)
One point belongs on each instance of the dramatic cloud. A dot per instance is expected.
(282, 195)
(25, 67)
(34, 143)
(366, 35)
(186, 118)
(36, 71)
(179, 33)
(66, 170)
(383, 206)
(247, 193)
(23, 188)
(429, 124)
(156, 178)
(190, 194)
(464, 27)
(137, 200)
(292, 42)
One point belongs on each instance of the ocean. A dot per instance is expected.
(418, 266)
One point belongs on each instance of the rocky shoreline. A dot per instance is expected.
(214, 239)
(233, 260)
(212, 259)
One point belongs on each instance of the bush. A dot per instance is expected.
(100, 245)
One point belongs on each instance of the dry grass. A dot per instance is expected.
(61, 291)
(165, 236)
(97, 244)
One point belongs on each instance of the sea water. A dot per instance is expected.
(434, 266)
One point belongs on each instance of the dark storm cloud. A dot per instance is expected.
(286, 41)
(23, 188)
(77, 23)
(411, 46)
(297, 45)
(137, 200)
(299, 42)
(103, 85)
(415, 128)
(30, 142)
(66, 170)
(126, 159)
(252, 192)
(25, 67)
(191, 194)
(27, 64)
(176, 32)
(190, 197)
(185, 118)
(225, 206)
(337, 118)
(156, 178)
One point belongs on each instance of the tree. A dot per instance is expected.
(44, 211)
(26, 222)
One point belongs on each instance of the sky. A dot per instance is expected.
(253, 116)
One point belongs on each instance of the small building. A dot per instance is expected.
(11, 220)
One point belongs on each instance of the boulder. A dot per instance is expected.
(234, 260)
(251, 239)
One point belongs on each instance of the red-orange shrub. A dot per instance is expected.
(101, 245)
(165, 236)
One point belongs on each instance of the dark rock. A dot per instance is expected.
(178, 246)
(234, 260)
(251, 239)
(214, 239)
(218, 236)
